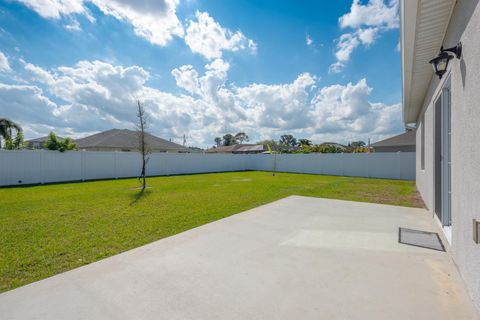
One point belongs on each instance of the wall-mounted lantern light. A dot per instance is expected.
(440, 62)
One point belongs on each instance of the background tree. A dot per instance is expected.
(304, 142)
(7, 127)
(67, 145)
(228, 140)
(356, 147)
(240, 137)
(54, 143)
(272, 144)
(142, 143)
(361, 150)
(16, 143)
(356, 144)
(288, 140)
(218, 141)
(328, 148)
(319, 148)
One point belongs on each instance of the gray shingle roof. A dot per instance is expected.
(126, 139)
(404, 139)
(238, 148)
(226, 149)
(254, 148)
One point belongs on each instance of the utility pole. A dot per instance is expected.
(184, 140)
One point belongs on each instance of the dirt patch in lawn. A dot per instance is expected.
(411, 200)
(416, 200)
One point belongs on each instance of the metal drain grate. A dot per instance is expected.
(424, 239)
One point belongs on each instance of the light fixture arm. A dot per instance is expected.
(440, 62)
(457, 50)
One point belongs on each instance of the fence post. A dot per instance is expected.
(368, 165)
(115, 173)
(42, 169)
(399, 164)
(82, 164)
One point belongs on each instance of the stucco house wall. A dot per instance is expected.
(425, 184)
(464, 77)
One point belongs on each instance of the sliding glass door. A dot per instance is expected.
(442, 157)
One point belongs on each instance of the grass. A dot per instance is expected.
(45, 230)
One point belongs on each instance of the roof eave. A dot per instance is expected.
(419, 41)
(408, 14)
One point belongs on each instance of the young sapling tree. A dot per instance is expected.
(142, 119)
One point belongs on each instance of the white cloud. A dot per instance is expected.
(38, 74)
(218, 65)
(208, 38)
(97, 96)
(26, 103)
(368, 21)
(374, 13)
(96, 90)
(93, 96)
(336, 67)
(346, 44)
(367, 36)
(38, 114)
(308, 40)
(186, 78)
(4, 65)
(215, 76)
(55, 9)
(278, 107)
(345, 111)
(74, 25)
(155, 21)
(96, 83)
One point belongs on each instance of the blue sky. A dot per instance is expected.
(324, 70)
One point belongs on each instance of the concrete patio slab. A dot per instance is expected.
(296, 258)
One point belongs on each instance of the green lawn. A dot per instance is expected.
(45, 230)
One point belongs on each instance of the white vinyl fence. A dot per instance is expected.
(40, 166)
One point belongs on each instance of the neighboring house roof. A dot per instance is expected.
(253, 148)
(227, 149)
(195, 150)
(126, 139)
(404, 139)
(41, 139)
(423, 24)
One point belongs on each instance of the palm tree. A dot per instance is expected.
(6, 126)
(304, 142)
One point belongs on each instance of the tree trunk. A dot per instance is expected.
(142, 143)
